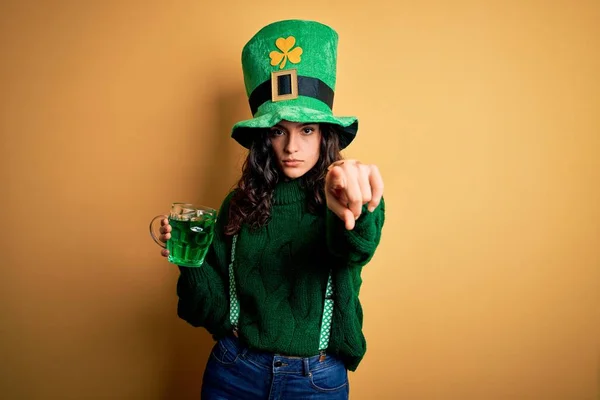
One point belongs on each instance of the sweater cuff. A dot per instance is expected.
(194, 276)
(363, 239)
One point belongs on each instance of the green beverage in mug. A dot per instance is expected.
(192, 231)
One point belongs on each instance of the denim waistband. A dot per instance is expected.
(277, 362)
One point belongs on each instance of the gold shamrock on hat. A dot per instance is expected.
(285, 45)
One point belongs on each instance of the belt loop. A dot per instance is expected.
(306, 366)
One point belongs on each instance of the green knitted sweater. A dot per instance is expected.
(281, 275)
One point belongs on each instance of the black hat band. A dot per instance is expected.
(286, 85)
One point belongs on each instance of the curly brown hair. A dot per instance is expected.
(251, 202)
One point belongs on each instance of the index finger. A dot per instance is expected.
(335, 178)
(376, 188)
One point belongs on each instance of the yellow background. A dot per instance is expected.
(482, 116)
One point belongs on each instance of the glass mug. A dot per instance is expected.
(192, 232)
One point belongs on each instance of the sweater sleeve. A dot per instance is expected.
(355, 247)
(203, 291)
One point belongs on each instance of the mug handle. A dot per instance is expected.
(158, 242)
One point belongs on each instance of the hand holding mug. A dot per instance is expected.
(188, 232)
(165, 234)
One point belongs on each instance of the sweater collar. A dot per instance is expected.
(288, 192)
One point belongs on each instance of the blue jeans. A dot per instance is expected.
(234, 372)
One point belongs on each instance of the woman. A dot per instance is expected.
(279, 287)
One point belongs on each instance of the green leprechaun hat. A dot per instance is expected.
(290, 74)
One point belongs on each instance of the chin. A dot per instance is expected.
(293, 173)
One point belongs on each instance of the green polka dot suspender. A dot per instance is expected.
(327, 316)
(234, 305)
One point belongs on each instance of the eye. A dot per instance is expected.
(275, 132)
(307, 130)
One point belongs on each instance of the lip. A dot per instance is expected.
(291, 163)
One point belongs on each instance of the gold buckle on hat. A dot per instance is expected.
(275, 96)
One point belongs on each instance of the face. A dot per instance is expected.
(297, 147)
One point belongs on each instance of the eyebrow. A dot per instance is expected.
(302, 126)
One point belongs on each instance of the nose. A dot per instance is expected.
(291, 146)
